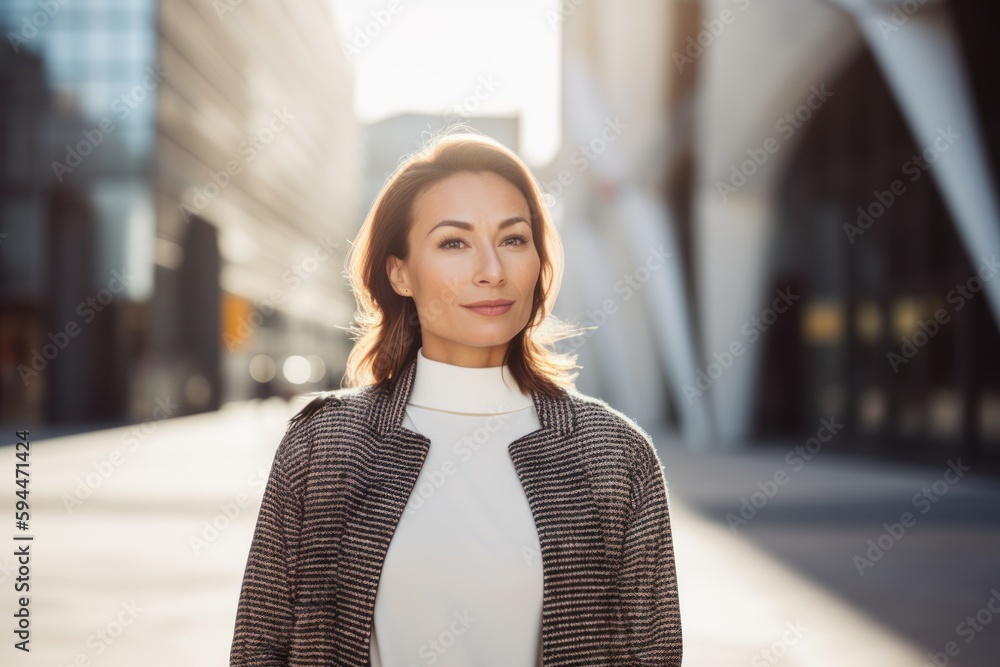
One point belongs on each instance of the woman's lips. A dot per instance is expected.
(490, 310)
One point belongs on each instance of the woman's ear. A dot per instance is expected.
(396, 271)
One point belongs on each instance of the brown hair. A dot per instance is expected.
(386, 330)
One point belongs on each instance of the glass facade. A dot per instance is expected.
(121, 254)
(896, 337)
(77, 132)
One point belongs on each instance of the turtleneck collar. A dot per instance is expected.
(442, 386)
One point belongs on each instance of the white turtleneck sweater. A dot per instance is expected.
(462, 581)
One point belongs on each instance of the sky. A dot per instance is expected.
(476, 57)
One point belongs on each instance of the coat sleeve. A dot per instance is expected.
(265, 611)
(647, 579)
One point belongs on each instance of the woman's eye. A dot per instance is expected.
(445, 243)
(520, 238)
(455, 243)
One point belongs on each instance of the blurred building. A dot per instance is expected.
(824, 175)
(179, 181)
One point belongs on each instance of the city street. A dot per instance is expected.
(141, 535)
(768, 232)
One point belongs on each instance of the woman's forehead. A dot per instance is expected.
(473, 198)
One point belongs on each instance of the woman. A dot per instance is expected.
(459, 502)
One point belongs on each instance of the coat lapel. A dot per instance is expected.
(577, 574)
(549, 466)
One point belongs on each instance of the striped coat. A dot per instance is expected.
(342, 476)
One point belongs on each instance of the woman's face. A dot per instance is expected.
(470, 241)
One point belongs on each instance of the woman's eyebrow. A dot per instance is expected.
(467, 226)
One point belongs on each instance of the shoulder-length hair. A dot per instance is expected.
(386, 329)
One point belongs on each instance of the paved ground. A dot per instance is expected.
(916, 593)
(128, 568)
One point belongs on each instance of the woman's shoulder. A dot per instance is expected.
(596, 417)
(333, 403)
(618, 452)
(324, 415)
